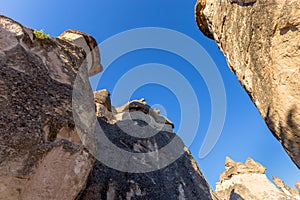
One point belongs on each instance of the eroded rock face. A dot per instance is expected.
(45, 146)
(89, 45)
(127, 127)
(248, 181)
(41, 156)
(286, 189)
(260, 40)
(234, 168)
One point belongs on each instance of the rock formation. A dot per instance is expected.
(89, 45)
(41, 156)
(44, 146)
(180, 180)
(260, 40)
(248, 181)
(286, 189)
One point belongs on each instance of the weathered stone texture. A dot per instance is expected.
(89, 45)
(127, 127)
(248, 181)
(41, 156)
(44, 142)
(261, 40)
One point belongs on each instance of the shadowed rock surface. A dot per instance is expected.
(248, 181)
(181, 179)
(43, 152)
(260, 39)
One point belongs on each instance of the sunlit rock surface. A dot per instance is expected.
(48, 145)
(261, 39)
(248, 181)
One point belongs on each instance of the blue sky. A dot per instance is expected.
(244, 133)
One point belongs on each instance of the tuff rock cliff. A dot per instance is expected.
(248, 181)
(181, 179)
(47, 148)
(261, 40)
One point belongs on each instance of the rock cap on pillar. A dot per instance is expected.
(89, 45)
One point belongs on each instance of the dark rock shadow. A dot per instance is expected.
(243, 2)
(287, 128)
(287, 29)
(235, 196)
(291, 143)
(181, 178)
